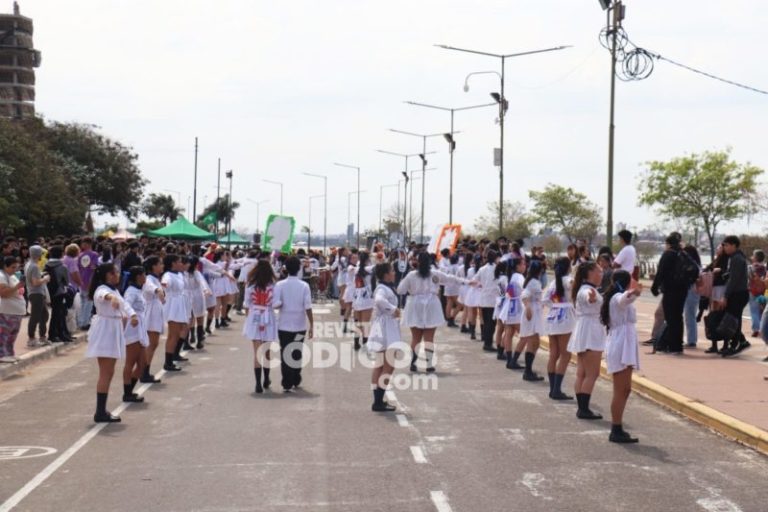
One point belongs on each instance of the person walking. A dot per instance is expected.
(36, 293)
(757, 274)
(384, 335)
(736, 293)
(58, 289)
(673, 284)
(260, 324)
(295, 323)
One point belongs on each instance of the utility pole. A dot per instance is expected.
(218, 197)
(613, 28)
(194, 195)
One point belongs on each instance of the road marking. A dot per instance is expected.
(25, 452)
(233, 349)
(51, 468)
(441, 501)
(718, 505)
(402, 420)
(418, 455)
(391, 396)
(321, 311)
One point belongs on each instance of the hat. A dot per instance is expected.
(36, 252)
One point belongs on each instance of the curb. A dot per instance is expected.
(725, 425)
(37, 355)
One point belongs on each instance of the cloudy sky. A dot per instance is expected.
(276, 88)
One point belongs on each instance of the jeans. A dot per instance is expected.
(756, 312)
(86, 310)
(38, 315)
(691, 310)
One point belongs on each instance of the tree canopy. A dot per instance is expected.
(161, 207)
(567, 211)
(516, 221)
(705, 189)
(219, 210)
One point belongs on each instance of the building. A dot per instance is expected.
(18, 60)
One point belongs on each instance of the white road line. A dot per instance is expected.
(321, 311)
(391, 396)
(51, 468)
(441, 501)
(402, 420)
(418, 455)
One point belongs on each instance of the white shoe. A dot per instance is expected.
(44, 341)
(8, 359)
(33, 343)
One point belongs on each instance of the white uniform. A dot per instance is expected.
(532, 295)
(452, 289)
(154, 318)
(222, 284)
(561, 318)
(210, 273)
(363, 293)
(385, 328)
(464, 288)
(261, 323)
(106, 336)
(423, 309)
(589, 333)
(489, 290)
(134, 298)
(622, 350)
(472, 299)
(338, 267)
(349, 282)
(511, 312)
(501, 282)
(196, 288)
(176, 307)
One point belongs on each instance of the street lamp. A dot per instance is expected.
(281, 192)
(258, 205)
(229, 175)
(449, 137)
(381, 199)
(309, 221)
(358, 196)
(502, 102)
(349, 217)
(423, 181)
(325, 207)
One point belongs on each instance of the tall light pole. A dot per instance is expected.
(229, 175)
(218, 196)
(410, 221)
(325, 208)
(381, 199)
(358, 196)
(349, 214)
(194, 193)
(281, 192)
(449, 137)
(405, 190)
(503, 105)
(309, 221)
(258, 207)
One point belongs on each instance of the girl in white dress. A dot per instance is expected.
(154, 319)
(362, 305)
(349, 286)
(588, 337)
(622, 353)
(560, 322)
(532, 324)
(210, 272)
(451, 292)
(106, 340)
(461, 271)
(198, 291)
(337, 267)
(511, 312)
(136, 337)
(472, 299)
(502, 281)
(423, 312)
(385, 334)
(175, 310)
(260, 323)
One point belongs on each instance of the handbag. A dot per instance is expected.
(704, 284)
(711, 324)
(729, 326)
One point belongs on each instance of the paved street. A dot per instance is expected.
(483, 440)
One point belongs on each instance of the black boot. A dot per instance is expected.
(129, 395)
(500, 353)
(169, 366)
(529, 374)
(512, 363)
(414, 358)
(365, 340)
(557, 391)
(267, 382)
(148, 378)
(257, 373)
(551, 383)
(357, 342)
(177, 357)
(226, 314)
(584, 413)
(379, 405)
(452, 323)
(102, 416)
(619, 435)
(200, 337)
(472, 335)
(346, 325)
(218, 324)
(208, 323)
(463, 329)
(189, 340)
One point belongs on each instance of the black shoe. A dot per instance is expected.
(559, 395)
(648, 342)
(106, 418)
(171, 368)
(267, 383)
(472, 336)
(208, 330)
(712, 350)
(514, 365)
(179, 358)
(622, 438)
(149, 379)
(464, 329)
(741, 347)
(187, 346)
(414, 368)
(200, 344)
(133, 398)
(431, 369)
(383, 407)
(259, 389)
(500, 355)
(451, 323)
(532, 377)
(588, 415)
(357, 344)
(488, 348)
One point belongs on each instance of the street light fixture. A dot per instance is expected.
(229, 175)
(381, 199)
(449, 137)
(423, 171)
(502, 108)
(281, 192)
(258, 207)
(325, 207)
(349, 217)
(358, 196)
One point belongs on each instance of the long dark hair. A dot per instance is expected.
(193, 261)
(491, 256)
(562, 268)
(133, 275)
(380, 271)
(620, 282)
(582, 271)
(169, 260)
(534, 272)
(362, 261)
(425, 265)
(149, 263)
(261, 275)
(100, 277)
(501, 269)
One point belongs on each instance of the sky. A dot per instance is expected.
(277, 88)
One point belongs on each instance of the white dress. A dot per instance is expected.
(196, 288)
(423, 309)
(349, 282)
(135, 299)
(210, 273)
(511, 312)
(222, 284)
(589, 332)
(464, 288)
(261, 323)
(105, 337)
(561, 318)
(338, 267)
(501, 282)
(472, 299)
(452, 289)
(532, 294)
(622, 350)
(154, 318)
(176, 307)
(385, 328)
(363, 292)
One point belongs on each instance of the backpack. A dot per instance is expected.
(756, 281)
(686, 270)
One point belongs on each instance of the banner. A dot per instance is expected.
(278, 236)
(448, 238)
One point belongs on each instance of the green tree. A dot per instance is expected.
(219, 209)
(567, 211)
(705, 189)
(161, 207)
(516, 221)
(104, 171)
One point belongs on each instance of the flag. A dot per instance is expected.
(209, 219)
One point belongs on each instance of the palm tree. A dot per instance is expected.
(161, 207)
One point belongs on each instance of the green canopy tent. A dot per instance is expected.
(233, 239)
(182, 229)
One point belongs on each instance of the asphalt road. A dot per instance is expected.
(484, 440)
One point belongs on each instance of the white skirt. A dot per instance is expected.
(198, 303)
(176, 309)
(462, 298)
(363, 299)
(136, 334)
(232, 288)
(472, 298)
(349, 294)
(210, 301)
(106, 338)
(154, 318)
(561, 319)
(588, 334)
(220, 288)
(533, 326)
(452, 290)
(499, 305)
(423, 312)
(385, 331)
(511, 312)
(260, 325)
(622, 350)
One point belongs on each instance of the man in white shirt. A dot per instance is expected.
(627, 256)
(293, 299)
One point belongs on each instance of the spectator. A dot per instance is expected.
(627, 256)
(691, 304)
(668, 281)
(36, 291)
(12, 308)
(87, 262)
(757, 274)
(604, 261)
(736, 292)
(58, 291)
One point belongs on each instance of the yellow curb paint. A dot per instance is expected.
(726, 425)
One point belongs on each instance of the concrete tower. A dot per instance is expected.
(18, 60)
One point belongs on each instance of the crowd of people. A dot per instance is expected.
(126, 296)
